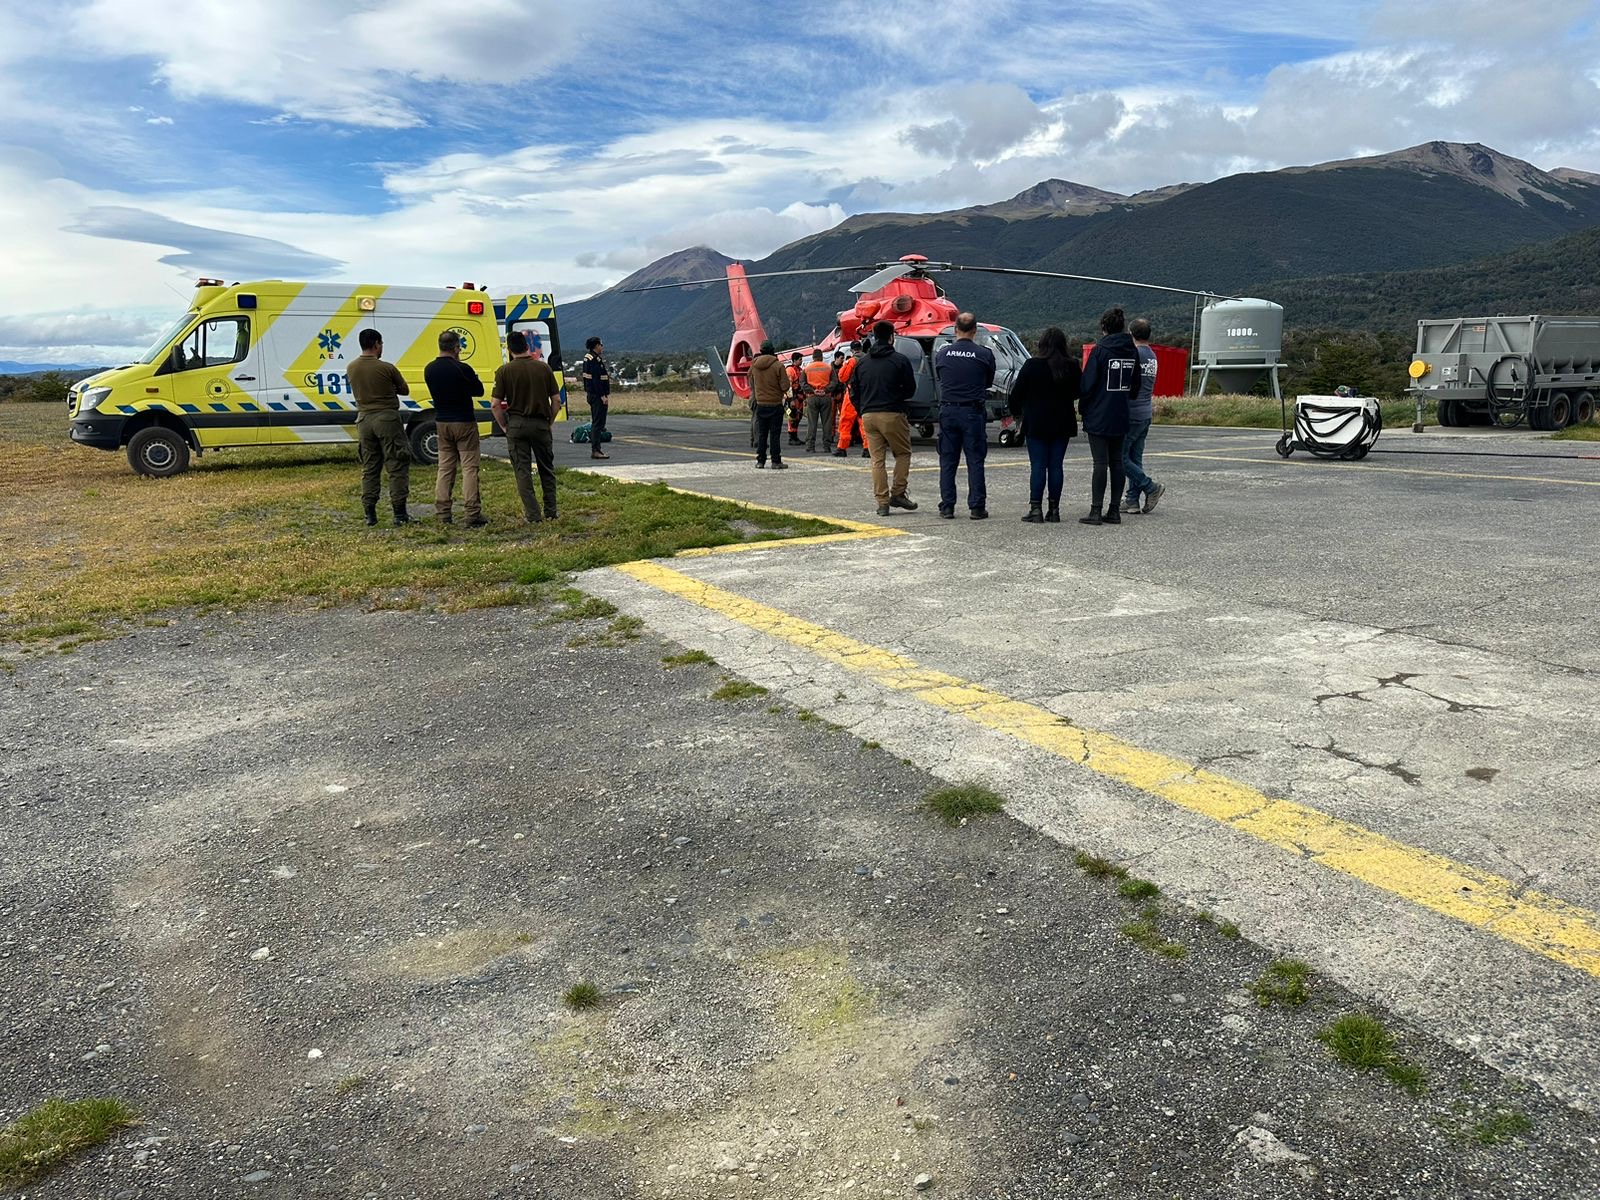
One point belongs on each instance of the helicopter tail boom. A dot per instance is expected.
(748, 331)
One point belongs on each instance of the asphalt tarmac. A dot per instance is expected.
(1348, 705)
(317, 925)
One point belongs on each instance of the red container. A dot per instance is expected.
(1172, 368)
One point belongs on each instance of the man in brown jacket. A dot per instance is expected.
(769, 385)
(525, 399)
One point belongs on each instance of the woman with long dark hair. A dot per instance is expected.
(1111, 376)
(1042, 399)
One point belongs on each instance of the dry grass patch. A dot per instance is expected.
(87, 547)
(638, 402)
(1263, 412)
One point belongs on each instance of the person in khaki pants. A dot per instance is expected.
(453, 386)
(884, 381)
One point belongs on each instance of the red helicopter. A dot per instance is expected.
(905, 294)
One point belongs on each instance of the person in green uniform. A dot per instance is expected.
(526, 397)
(378, 386)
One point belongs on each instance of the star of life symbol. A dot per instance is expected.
(329, 341)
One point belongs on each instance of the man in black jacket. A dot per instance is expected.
(597, 390)
(453, 386)
(883, 382)
(1111, 377)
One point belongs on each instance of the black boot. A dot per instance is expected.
(371, 511)
(400, 515)
(1092, 519)
(1053, 515)
(1035, 515)
(1113, 516)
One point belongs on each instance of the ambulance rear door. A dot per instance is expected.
(534, 314)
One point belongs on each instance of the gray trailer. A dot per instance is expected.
(1508, 370)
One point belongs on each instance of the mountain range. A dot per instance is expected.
(1326, 240)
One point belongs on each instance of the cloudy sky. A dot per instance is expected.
(558, 146)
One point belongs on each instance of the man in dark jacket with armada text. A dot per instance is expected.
(965, 371)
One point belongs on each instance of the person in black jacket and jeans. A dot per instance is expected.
(884, 381)
(1110, 382)
(1042, 399)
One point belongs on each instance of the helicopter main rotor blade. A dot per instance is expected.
(1158, 287)
(683, 283)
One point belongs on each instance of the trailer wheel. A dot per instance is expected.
(1558, 414)
(1448, 415)
(158, 452)
(1583, 408)
(425, 442)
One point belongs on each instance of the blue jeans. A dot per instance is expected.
(962, 430)
(1133, 461)
(1044, 456)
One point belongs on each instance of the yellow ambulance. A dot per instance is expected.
(263, 364)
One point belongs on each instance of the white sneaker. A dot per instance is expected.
(1153, 495)
(1131, 506)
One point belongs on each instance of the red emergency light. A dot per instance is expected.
(475, 308)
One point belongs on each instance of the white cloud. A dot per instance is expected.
(1163, 94)
(362, 64)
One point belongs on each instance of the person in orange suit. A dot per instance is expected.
(849, 422)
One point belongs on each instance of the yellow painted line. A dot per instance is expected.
(1387, 470)
(675, 446)
(858, 531)
(1529, 919)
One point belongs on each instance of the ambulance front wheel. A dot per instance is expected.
(425, 443)
(158, 452)
(1284, 448)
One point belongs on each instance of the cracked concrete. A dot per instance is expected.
(1326, 679)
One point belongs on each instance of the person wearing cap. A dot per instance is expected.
(597, 390)
(798, 393)
(454, 387)
(526, 397)
(377, 386)
(885, 382)
(769, 386)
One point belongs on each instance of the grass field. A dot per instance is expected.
(636, 402)
(88, 548)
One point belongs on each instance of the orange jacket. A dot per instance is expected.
(818, 376)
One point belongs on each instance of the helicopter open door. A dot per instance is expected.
(719, 378)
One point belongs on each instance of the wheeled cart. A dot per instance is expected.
(1332, 426)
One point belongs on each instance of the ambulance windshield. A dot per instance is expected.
(159, 346)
